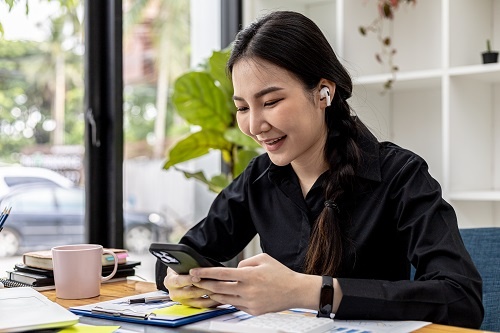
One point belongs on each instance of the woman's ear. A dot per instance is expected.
(327, 91)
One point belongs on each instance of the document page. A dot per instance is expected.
(24, 308)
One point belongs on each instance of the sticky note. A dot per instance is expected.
(179, 310)
(79, 328)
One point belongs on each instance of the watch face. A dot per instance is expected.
(326, 300)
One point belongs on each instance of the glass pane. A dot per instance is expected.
(33, 202)
(42, 120)
(70, 200)
(163, 40)
(41, 124)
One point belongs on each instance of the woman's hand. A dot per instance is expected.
(260, 284)
(182, 290)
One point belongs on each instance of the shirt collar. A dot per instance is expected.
(369, 167)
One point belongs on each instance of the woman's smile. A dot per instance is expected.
(273, 144)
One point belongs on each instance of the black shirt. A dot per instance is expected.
(398, 219)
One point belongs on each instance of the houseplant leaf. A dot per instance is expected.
(217, 69)
(199, 101)
(216, 184)
(204, 97)
(243, 157)
(234, 135)
(196, 145)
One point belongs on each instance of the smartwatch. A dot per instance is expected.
(326, 298)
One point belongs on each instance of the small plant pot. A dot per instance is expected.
(490, 57)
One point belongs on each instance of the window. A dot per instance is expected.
(42, 116)
(32, 202)
(13, 181)
(69, 201)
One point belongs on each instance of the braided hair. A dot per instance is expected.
(292, 41)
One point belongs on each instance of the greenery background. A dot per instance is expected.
(41, 83)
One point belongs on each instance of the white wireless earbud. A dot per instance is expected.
(325, 93)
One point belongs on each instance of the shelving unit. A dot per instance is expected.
(444, 104)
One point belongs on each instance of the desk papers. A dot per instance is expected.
(23, 309)
(167, 313)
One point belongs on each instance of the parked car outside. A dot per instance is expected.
(16, 175)
(46, 215)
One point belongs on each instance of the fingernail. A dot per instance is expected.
(195, 279)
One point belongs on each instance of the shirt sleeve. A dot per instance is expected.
(228, 226)
(447, 287)
(226, 229)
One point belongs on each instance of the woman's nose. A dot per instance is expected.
(258, 124)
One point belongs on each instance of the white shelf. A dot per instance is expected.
(404, 80)
(444, 104)
(475, 196)
(484, 72)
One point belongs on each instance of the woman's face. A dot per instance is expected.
(276, 111)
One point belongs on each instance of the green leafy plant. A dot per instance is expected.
(203, 97)
(488, 45)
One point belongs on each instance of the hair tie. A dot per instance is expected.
(331, 204)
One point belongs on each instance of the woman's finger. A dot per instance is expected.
(220, 287)
(217, 273)
(201, 302)
(175, 280)
(188, 292)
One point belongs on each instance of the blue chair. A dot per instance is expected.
(483, 245)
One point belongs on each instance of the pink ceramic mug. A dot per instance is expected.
(78, 270)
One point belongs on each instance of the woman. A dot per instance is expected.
(331, 204)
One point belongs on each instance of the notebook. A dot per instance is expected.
(24, 308)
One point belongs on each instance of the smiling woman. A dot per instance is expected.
(342, 217)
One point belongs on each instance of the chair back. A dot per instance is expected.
(483, 245)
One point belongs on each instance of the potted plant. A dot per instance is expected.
(386, 10)
(204, 98)
(489, 56)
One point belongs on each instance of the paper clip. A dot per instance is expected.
(123, 313)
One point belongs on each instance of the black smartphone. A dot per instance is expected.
(181, 258)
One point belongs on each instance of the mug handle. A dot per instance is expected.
(107, 277)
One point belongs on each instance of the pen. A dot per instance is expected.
(149, 299)
(116, 313)
(3, 216)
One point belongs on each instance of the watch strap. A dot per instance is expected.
(326, 298)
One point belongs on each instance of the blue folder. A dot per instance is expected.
(113, 310)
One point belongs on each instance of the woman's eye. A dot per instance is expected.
(242, 109)
(274, 102)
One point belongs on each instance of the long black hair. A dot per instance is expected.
(292, 41)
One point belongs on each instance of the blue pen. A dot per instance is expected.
(4, 216)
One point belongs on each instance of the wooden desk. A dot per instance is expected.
(115, 290)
